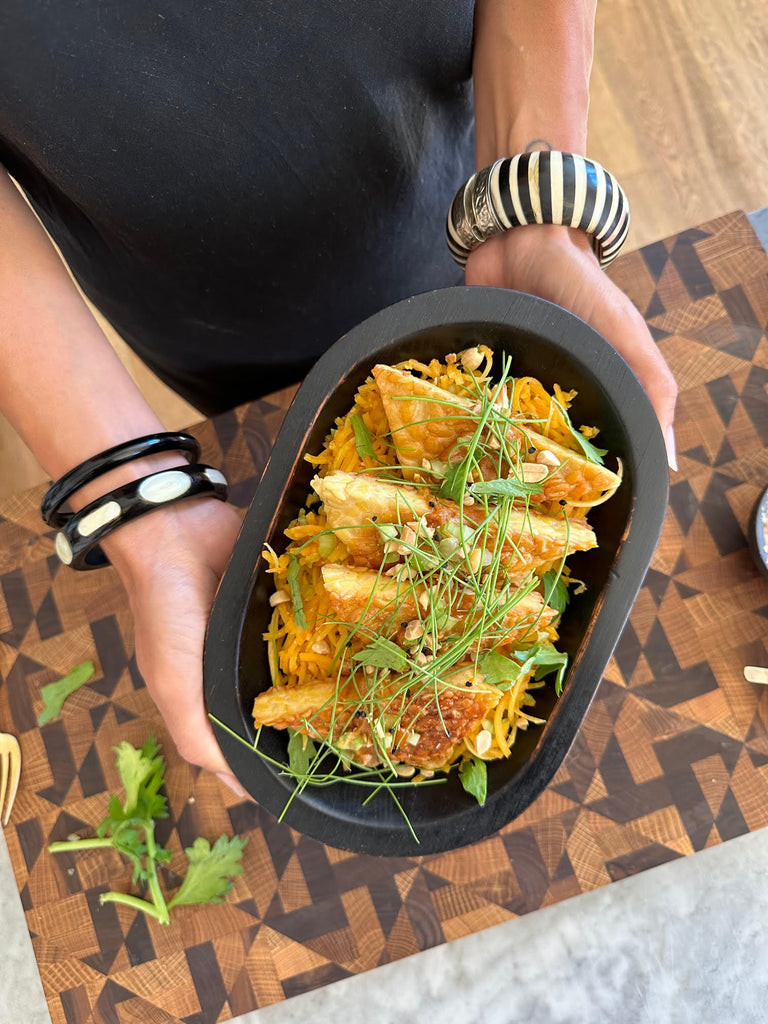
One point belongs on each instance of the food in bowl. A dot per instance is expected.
(416, 606)
(546, 342)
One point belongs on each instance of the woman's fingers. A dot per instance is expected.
(558, 264)
(171, 571)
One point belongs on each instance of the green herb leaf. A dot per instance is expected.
(546, 658)
(363, 438)
(506, 488)
(473, 775)
(301, 752)
(593, 453)
(499, 669)
(54, 694)
(555, 590)
(455, 482)
(296, 599)
(141, 772)
(382, 653)
(211, 870)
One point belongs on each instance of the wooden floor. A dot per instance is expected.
(679, 114)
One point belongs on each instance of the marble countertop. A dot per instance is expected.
(682, 942)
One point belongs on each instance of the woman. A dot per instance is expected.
(234, 186)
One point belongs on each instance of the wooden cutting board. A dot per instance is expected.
(673, 757)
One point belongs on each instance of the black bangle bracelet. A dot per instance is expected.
(78, 539)
(152, 444)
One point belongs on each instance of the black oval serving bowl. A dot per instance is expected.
(544, 341)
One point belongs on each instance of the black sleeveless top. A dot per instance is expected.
(236, 183)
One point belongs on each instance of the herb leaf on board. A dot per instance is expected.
(210, 872)
(54, 694)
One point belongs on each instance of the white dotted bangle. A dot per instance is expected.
(539, 188)
(77, 541)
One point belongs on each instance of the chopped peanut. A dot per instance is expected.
(532, 472)
(413, 630)
(483, 742)
(471, 358)
(546, 458)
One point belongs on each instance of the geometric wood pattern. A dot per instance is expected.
(672, 758)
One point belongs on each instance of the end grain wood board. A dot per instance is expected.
(673, 757)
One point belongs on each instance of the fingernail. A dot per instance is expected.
(669, 441)
(231, 781)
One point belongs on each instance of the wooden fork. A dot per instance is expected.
(10, 773)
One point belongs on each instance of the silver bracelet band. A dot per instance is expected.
(539, 188)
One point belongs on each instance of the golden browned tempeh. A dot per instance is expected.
(426, 422)
(352, 500)
(384, 604)
(424, 730)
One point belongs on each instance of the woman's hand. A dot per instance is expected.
(558, 264)
(171, 562)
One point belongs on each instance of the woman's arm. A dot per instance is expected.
(532, 62)
(68, 395)
(62, 386)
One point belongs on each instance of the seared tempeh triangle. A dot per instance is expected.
(424, 420)
(426, 727)
(384, 604)
(427, 421)
(351, 501)
(357, 500)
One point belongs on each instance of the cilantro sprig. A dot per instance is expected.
(129, 828)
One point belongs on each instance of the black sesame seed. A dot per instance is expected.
(408, 693)
(403, 624)
(562, 502)
(531, 450)
(468, 682)
(374, 518)
(431, 504)
(437, 538)
(359, 714)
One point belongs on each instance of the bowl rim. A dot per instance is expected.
(432, 310)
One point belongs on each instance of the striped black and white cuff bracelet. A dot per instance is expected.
(77, 542)
(539, 188)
